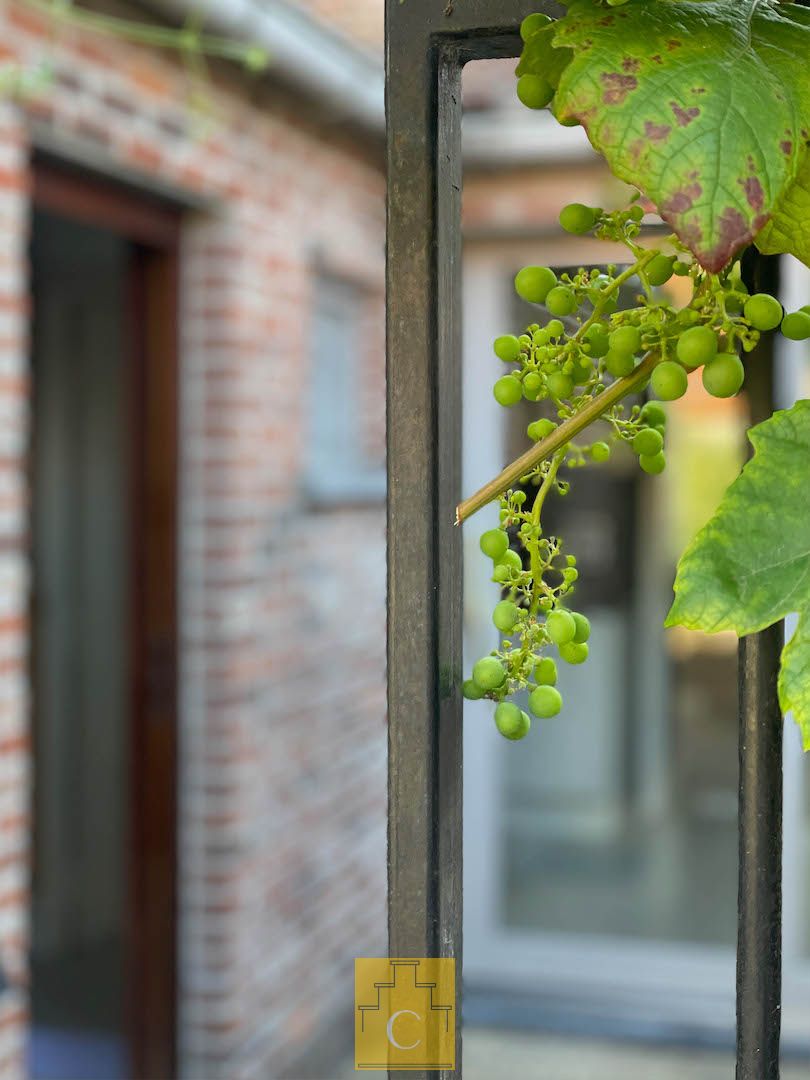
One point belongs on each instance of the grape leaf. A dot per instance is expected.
(749, 566)
(788, 231)
(702, 104)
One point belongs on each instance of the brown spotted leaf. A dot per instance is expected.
(702, 104)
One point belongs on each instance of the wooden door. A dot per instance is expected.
(104, 481)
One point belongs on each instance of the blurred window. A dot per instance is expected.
(340, 466)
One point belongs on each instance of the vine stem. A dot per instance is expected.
(142, 33)
(544, 449)
(539, 499)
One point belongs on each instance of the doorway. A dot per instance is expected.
(103, 666)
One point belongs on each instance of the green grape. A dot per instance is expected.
(583, 631)
(560, 386)
(581, 371)
(574, 652)
(724, 376)
(511, 721)
(654, 414)
(653, 463)
(763, 312)
(561, 300)
(625, 339)
(539, 429)
(501, 573)
(636, 212)
(696, 346)
(555, 328)
(648, 442)
(507, 348)
(600, 451)
(532, 385)
(545, 702)
(532, 23)
(617, 3)
(577, 218)
(471, 690)
(561, 626)
(505, 616)
(508, 390)
(619, 364)
(545, 672)
(534, 91)
(680, 268)
(660, 269)
(796, 326)
(511, 559)
(494, 543)
(533, 283)
(669, 381)
(488, 673)
(805, 308)
(598, 340)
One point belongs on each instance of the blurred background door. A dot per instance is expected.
(104, 500)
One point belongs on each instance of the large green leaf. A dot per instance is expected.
(702, 104)
(749, 566)
(788, 231)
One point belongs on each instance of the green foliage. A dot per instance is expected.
(749, 566)
(190, 41)
(788, 231)
(704, 106)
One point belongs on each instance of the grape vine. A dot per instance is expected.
(662, 89)
(581, 360)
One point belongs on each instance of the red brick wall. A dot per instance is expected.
(282, 605)
(14, 581)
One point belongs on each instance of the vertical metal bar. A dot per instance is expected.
(759, 934)
(759, 928)
(424, 469)
(427, 42)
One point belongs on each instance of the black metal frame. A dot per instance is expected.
(427, 44)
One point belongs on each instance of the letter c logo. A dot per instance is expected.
(389, 1029)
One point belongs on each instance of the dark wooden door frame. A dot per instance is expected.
(153, 228)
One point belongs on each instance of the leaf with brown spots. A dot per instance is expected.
(701, 105)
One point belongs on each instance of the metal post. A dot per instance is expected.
(759, 926)
(427, 43)
(759, 931)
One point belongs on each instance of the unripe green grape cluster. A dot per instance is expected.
(582, 344)
(532, 618)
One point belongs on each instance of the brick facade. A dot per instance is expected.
(282, 603)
